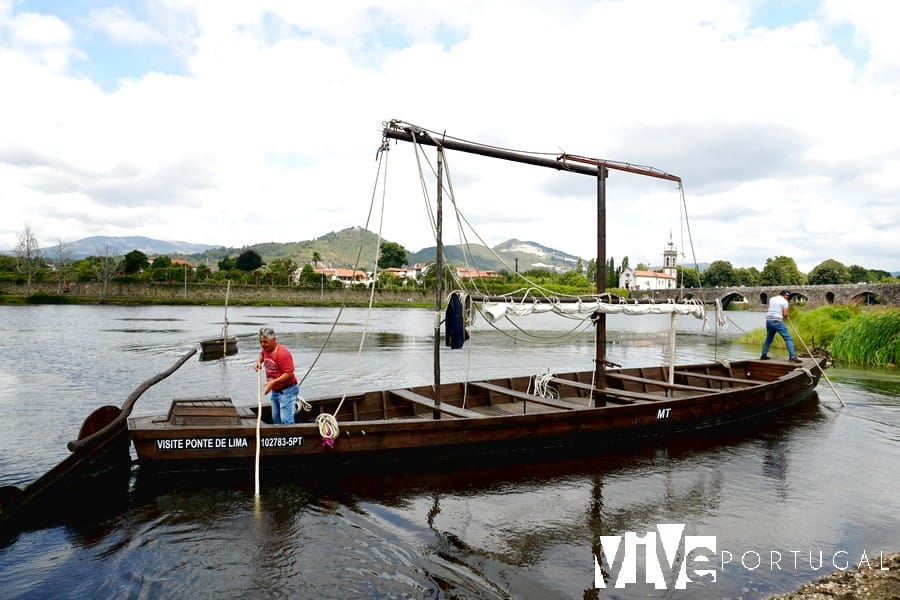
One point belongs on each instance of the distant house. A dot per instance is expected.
(666, 279)
(472, 273)
(398, 272)
(346, 276)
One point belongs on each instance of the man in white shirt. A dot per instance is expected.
(778, 310)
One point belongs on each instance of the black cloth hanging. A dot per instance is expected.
(454, 330)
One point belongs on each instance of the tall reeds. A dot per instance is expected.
(873, 338)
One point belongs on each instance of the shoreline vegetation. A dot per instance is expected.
(853, 335)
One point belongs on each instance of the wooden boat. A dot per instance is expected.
(477, 417)
(214, 348)
(219, 347)
(497, 415)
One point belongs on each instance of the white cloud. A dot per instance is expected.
(785, 134)
(122, 27)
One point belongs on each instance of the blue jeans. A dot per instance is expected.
(283, 404)
(774, 326)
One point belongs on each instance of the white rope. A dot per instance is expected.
(328, 428)
(542, 386)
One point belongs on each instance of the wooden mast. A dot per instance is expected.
(439, 268)
(599, 381)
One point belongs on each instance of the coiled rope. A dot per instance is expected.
(542, 386)
(328, 429)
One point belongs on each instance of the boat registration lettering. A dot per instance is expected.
(282, 441)
(663, 413)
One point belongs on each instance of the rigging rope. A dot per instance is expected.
(328, 424)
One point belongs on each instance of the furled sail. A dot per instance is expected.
(494, 311)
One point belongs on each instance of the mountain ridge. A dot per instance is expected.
(335, 249)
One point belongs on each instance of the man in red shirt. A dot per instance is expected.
(280, 379)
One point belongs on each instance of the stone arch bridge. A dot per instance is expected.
(812, 295)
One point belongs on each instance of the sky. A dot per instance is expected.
(235, 123)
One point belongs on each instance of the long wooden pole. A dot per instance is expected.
(808, 351)
(258, 422)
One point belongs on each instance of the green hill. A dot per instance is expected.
(340, 249)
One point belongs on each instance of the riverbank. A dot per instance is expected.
(209, 294)
(880, 582)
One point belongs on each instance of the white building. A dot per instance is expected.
(654, 280)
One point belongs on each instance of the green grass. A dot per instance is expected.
(872, 339)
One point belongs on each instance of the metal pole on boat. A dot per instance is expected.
(600, 323)
(439, 268)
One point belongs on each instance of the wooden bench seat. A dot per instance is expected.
(552, 402)
(421, 400)
(720, 378)
(610, 394)
(662, 384)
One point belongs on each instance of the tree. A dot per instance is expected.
(226, 264)
(160, 267)
(316, 257)
(248, 260)
(106, 267)
(781, 270)
(392, 254)
(309, 277)
(612, 277)
(828, 271)
(29, 256)
(745, 276)
(283, 267)
(135, 262)
(62, 268)
(429, 277)
(719, 273)
(688, 276)
(387, 280)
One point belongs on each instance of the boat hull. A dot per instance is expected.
(499, 416)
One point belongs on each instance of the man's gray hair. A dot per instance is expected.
(267, 333)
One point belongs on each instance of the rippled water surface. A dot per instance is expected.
(823, 480)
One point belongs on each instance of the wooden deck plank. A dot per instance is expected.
(554, 403)
(421, 400)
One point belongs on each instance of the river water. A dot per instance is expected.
(786, 504)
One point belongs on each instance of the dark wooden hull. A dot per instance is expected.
(101, 464)
(217, 348)
(499, 415)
